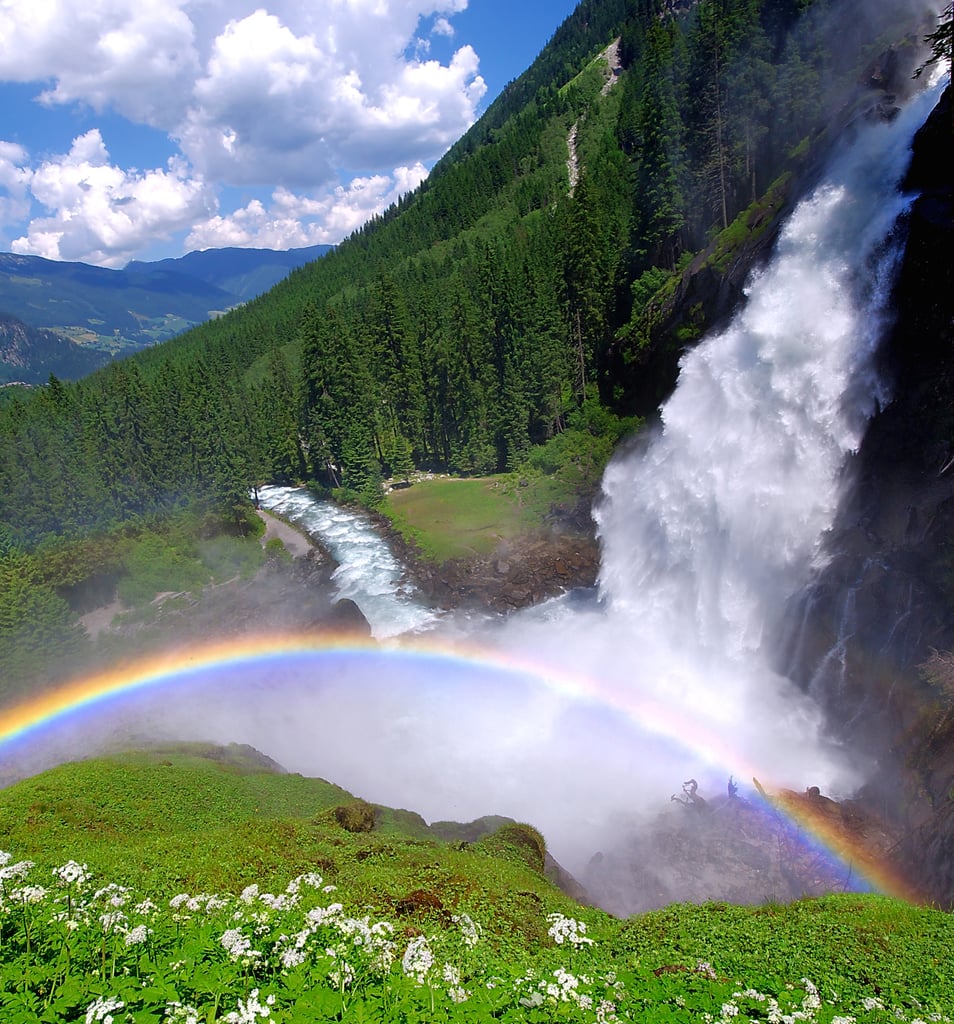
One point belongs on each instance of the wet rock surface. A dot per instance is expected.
(884, 603)
(739, 850)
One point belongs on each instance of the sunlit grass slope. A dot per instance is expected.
(199, 884)
(460, 518)
(202, 818)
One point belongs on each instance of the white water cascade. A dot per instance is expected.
(713, 523)
(706, 533)
(367, 573)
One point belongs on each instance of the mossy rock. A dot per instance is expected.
(520, 841)
(355, 816)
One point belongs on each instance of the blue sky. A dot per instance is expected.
(138, 129)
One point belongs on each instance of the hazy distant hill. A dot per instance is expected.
(31, 355)
(111, 310)
(122, 311)
(244, 273)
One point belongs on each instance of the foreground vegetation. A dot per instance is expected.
(205, 888)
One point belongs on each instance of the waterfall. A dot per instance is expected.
(707, 532)
(713, 523)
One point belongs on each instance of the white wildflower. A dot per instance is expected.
(418, 959)
(5, 858)
(138, 935)
(292, 957)
(180, 1013)
(729, 1010)
(15, 871)
(343, 974)
(566, 929)
(29, 894)
(311, 878)
(146, 907)
(357, 929)
(605, 1012)
(872, 1003)
(113, 894)
(100, 1011)
(565, 987)
(319, 915)
(249, 894)
(469, 930)
(812, 1000)
(843, 1020)
(238, 945)
(251, 1010)
(71, 873)
(113, 921)
(283, 901)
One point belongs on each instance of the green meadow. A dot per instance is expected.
(460, 517)
(198, 885)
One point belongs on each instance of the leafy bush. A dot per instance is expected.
(154, 565)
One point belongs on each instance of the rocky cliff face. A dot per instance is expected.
(886, 599)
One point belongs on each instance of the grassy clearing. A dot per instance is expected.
(451, 517)
(204, 888)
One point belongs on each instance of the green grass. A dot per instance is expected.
(413, 930)
(460, 518)
(454, 517)
(199, 817)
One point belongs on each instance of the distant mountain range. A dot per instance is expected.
(98, 313)
(28, 355)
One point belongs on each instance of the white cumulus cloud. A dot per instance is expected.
(285, 105)
(292, 220)
(137, 57)
(15, 182)
(321, 101)
(100, 213)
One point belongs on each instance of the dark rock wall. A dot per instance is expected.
(858, 634)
